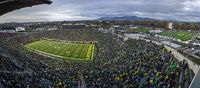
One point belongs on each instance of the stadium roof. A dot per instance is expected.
(10, 5)
(195, 82)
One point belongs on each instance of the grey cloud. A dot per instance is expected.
(184, 10)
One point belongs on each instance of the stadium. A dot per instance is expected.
(94, 54)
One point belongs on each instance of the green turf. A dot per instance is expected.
(182, 35)
(75, 51)
(141, 29)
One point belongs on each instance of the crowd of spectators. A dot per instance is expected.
(130, 64)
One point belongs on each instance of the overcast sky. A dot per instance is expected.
(183, 10)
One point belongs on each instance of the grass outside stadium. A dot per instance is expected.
(67, 50)
(182, 35)
(142, 29)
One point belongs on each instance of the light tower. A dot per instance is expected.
(170, 26)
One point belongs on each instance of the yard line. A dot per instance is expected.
(76, 51)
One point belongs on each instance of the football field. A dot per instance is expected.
(66, 50)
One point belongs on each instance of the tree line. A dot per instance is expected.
(157, 24)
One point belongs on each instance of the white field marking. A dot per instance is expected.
(49, 55)
(92, 52)
(67, 52)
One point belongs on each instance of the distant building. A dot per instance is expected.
(112, 29)
(134, 36)
(117, 29)
(116, 26)
(40, 29)
(20, 29)
(51, 29)
(132, 27)
(12, 29)
(120, 28)
(170, 25)
(9, 29)
(45, 29)
(155, 31)
(198, 36)
(103, 30)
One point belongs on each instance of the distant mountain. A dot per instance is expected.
(125, 18)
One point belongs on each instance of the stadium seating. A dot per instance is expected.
(131, 64)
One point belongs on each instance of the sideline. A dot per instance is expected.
(92, 52)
